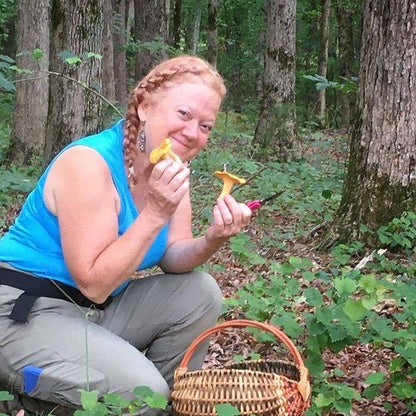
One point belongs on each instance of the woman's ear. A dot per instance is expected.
(141, 112)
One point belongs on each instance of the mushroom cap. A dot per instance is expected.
(228, 176)
(162, 151)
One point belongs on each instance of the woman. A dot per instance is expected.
(100, 212)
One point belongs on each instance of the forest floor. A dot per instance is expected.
(356, 361)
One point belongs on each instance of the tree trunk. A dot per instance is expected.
(275, 130)
(323, 58)
(381, 179)
(74, 111)
(212, 33)
(129, 16)
(346, 58)
(197, 27)
(131, 64)
(108, 52)
(151, 24)
(192, 30)
(31, 96)
(176, 24)
(119, 45)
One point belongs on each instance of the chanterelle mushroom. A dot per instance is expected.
(229, 181)
(163, 151)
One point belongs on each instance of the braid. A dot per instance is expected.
(173, 71)
(131, 131)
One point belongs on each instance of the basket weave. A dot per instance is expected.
(262, 388)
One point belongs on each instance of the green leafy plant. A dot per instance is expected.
(5, 396)
(226, 410)
(6, 67)
(111, 404)
(347, 85)
(340, 308)
(115, 404)
(400, 232)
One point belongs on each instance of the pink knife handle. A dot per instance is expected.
(254, 205)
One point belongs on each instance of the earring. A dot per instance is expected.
(142, 140)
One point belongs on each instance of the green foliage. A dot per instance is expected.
(226, 410)
(347, 86)
(8, 15)
(240, 48)
(400, 233)
(151, 46)
(5, 396)
(111, 404)
(324, 310)
(307, 49)
(15, 183)
(70, 58)
(114, 404)
(345, 313)
(6, 67)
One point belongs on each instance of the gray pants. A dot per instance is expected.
(80, 348)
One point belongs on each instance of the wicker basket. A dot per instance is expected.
(261, 388)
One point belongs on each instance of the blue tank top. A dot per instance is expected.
(33, 242)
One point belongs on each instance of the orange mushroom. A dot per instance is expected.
(163, 151)
(229, 181)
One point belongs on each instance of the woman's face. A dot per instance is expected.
(185, 113)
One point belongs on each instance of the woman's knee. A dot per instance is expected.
(140, 374)
(206, 292)
(158, 386)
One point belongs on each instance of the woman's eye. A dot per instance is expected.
(206, 127)
(183, 113)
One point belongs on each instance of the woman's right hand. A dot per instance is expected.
(168, 184)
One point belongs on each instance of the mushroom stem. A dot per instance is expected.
(174, 156)
(226, 187)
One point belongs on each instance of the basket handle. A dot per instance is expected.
(303, 384)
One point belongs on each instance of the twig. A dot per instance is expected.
(88, 89)
(363, 262)
(77, 82)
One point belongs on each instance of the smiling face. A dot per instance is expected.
(185, 112)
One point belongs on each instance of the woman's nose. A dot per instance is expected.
(191, 129)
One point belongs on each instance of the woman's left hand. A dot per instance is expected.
(229, 218)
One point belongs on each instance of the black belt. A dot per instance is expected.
(36, 287)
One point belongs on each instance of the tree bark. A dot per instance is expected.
(176, 24)
(192, 30)
(346, 59)
(275, 131)
(212, 35)
(381, 178)
(31, 96)
(197, 28)
(119, 41)
(151, 24)
(74, 111)
(108, 52)
(323, 58)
